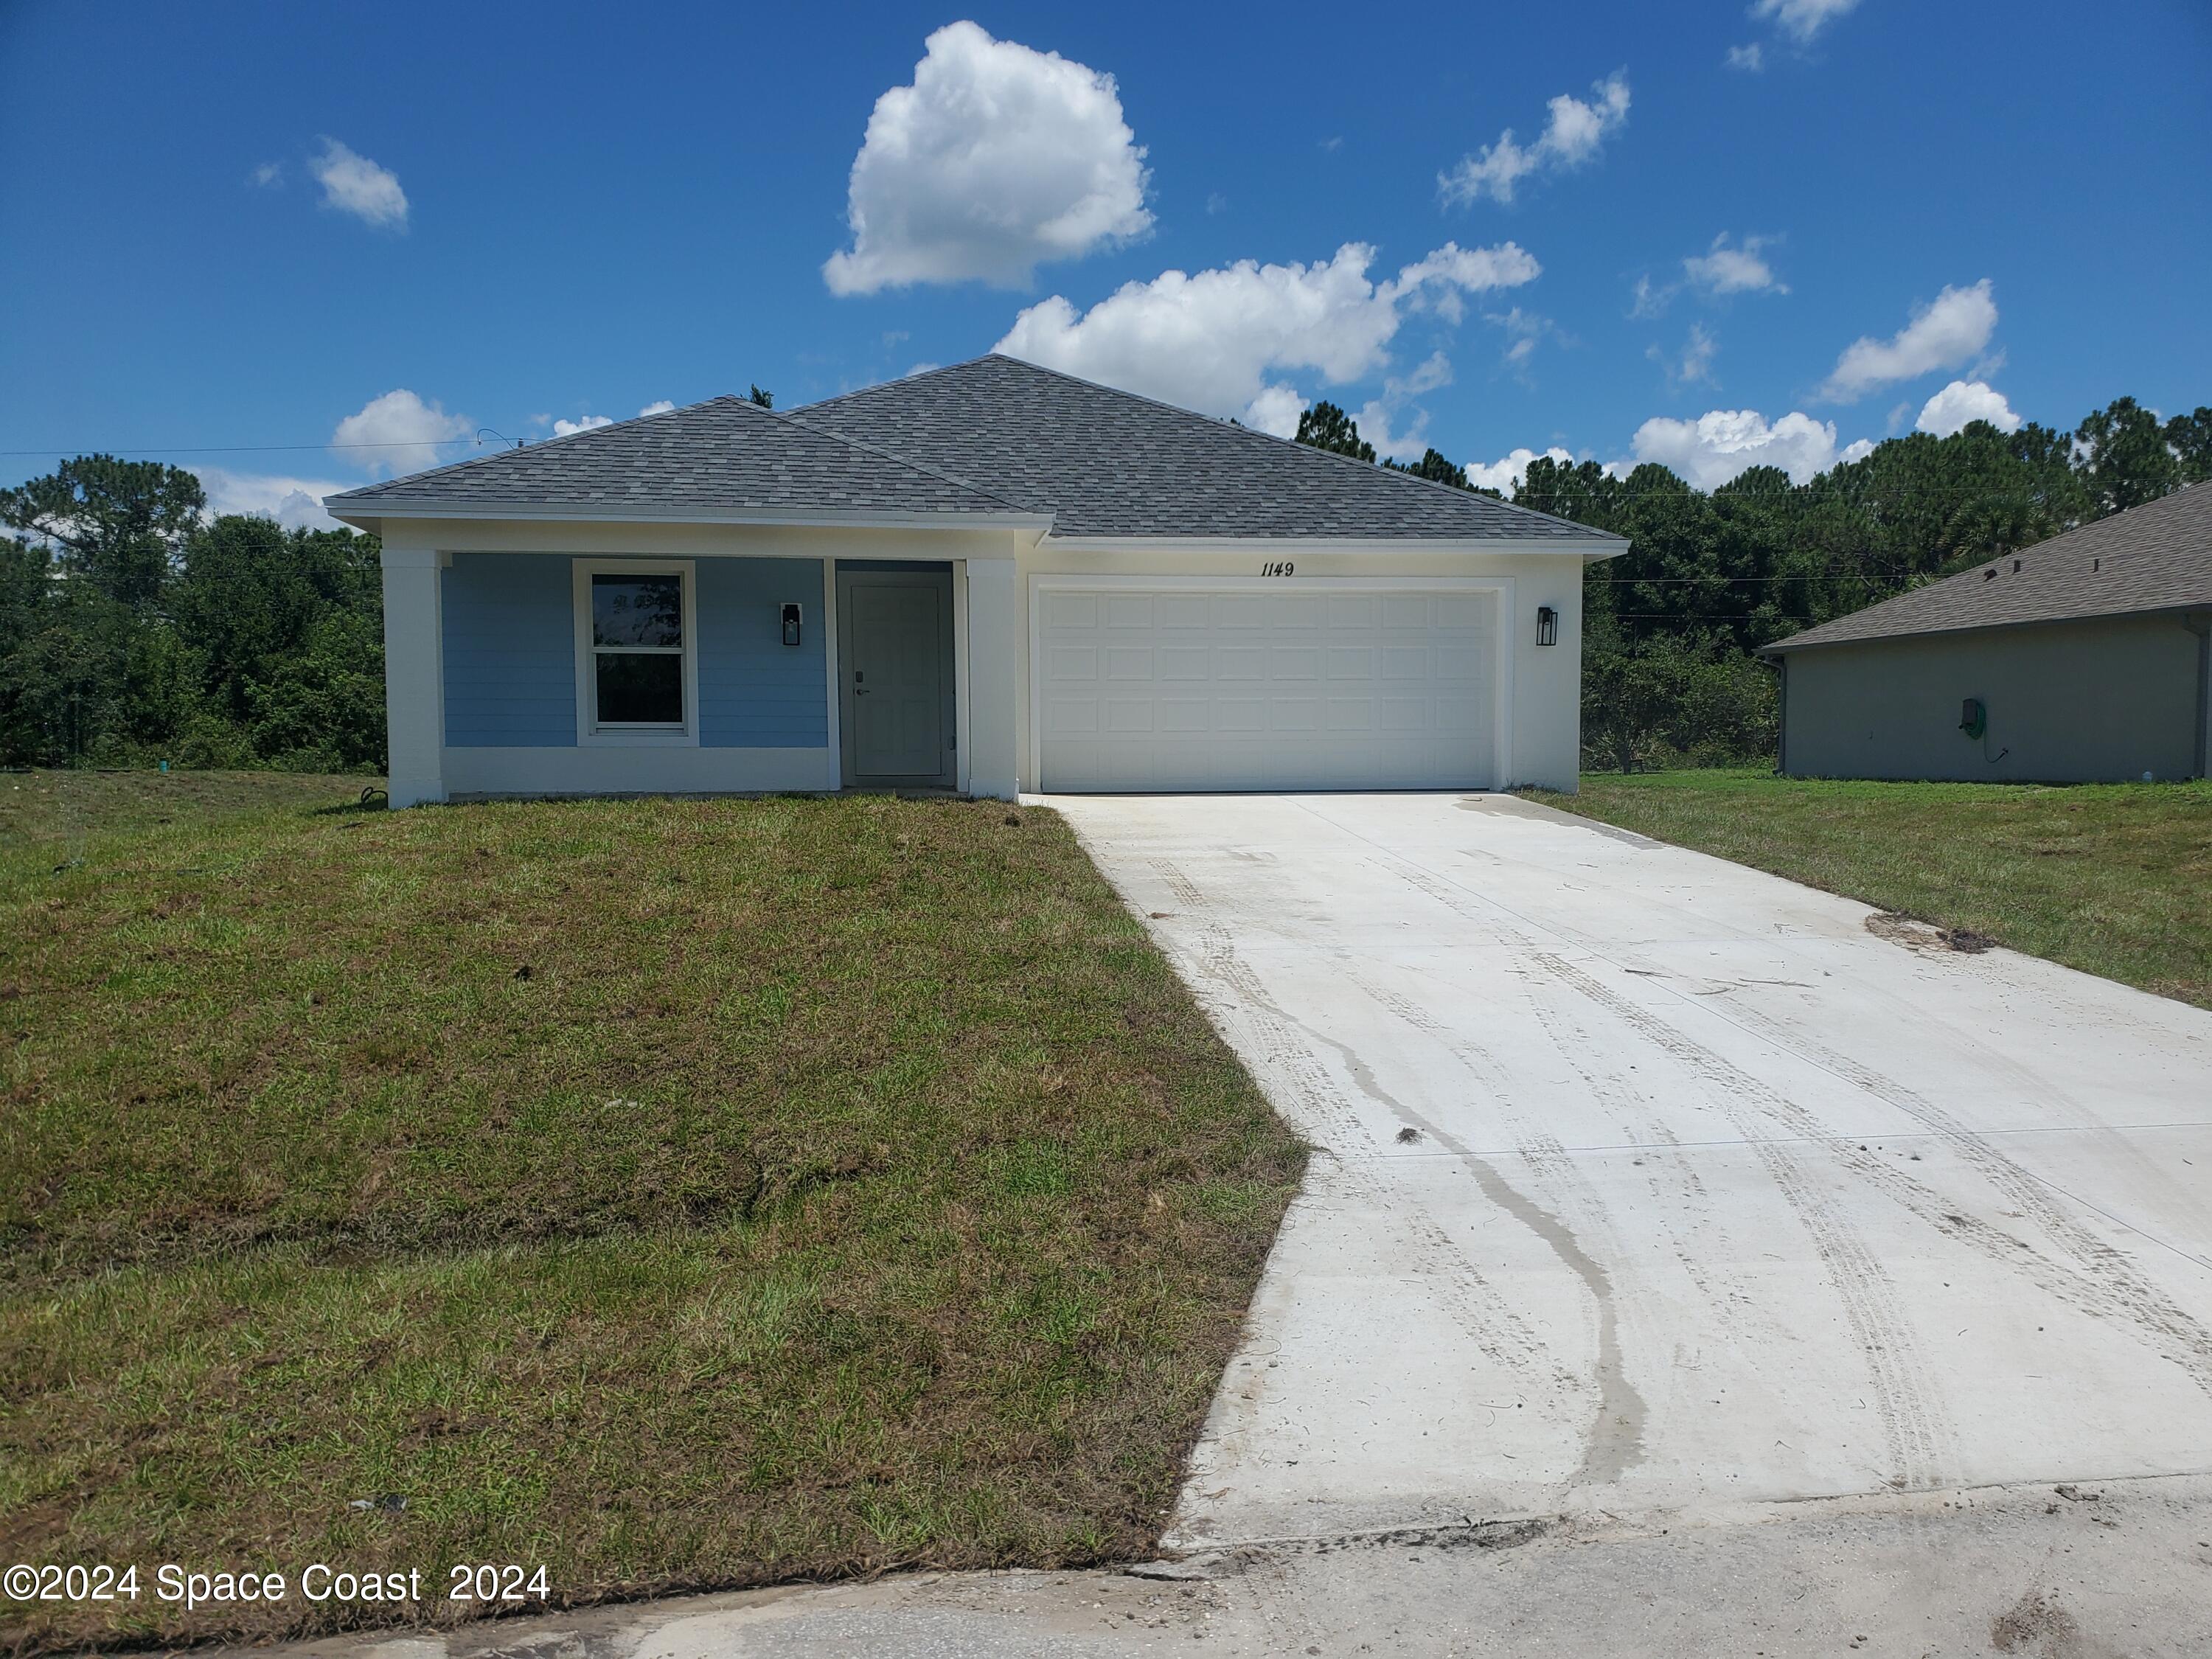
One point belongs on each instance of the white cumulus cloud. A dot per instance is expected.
(1573, 135)
(658, 406)
(1506, 475)
(295, 503)
(1750, 59)
(353, 184)
(1275, 411)
(996, 159)
(1723, 442)
(1963, 401)
(1741, 268)
(397, 432)
(1801, 19)
(568, 428)
(1211, 340)
(1955, 328)
(1695, 364)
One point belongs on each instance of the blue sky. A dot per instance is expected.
(1716, 235)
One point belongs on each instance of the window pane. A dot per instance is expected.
(637, 610)
(648, 690)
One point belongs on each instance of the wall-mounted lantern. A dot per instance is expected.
(791, 624)
(1548, 625)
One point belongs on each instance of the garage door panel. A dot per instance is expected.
(1403, 611)
(1182, 610)
(1071, 611)
(1458, 663)
(1240, 610)
(1128, 662)
(1129, 610)
(1068, 715)
(1189, 690)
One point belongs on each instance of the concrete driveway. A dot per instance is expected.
(1649, 1182)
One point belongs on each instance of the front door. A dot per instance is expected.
(895, 658)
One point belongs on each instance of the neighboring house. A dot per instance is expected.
(990, 577)
(2085, 657)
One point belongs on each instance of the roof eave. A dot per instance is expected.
(1588, 548)
(1799, 642)
(359, 514)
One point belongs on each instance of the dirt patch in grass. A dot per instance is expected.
(677, 1193)
(2115, 879)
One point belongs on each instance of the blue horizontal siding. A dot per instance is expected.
(755, 691)
(510, 644)
(510, 629)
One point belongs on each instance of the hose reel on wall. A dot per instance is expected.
(1974, 721)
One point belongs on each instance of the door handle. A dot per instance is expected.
(859, 691)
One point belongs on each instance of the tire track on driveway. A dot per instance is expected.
(1484, 1315)
(1916, 1429)
(2109, 1282)
(1615, 1442)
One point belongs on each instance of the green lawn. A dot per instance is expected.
(675, 1193)
(2112, 879)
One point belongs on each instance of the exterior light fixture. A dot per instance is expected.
(1548, 625)
(791, 624)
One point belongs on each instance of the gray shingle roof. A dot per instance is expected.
(1108, 463)
(2157, 557)
(725, 455)
(992, 435)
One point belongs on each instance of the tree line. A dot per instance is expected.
(1669, 629)
(137, 629)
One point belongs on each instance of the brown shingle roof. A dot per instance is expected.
(2157, 557)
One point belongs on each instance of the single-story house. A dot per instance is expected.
(2085, 657)
(989, 578)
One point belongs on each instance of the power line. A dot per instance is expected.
(226, 449)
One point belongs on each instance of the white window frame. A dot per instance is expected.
(589, 728)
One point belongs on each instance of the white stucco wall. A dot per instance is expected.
(2066, 703)
(993, 585)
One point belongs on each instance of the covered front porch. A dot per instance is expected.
(549, 659)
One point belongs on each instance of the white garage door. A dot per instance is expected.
(1267, 686)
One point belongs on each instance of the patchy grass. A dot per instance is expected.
(2115, 879)
(676, 1193)
(65, 810)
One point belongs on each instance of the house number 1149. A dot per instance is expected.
(1279, 568)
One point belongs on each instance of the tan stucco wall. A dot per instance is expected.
(2067, 703)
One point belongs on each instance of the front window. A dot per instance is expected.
(637, 649)
(634, 647)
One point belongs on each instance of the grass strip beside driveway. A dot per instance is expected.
(675, 1193)
(2115, 879)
